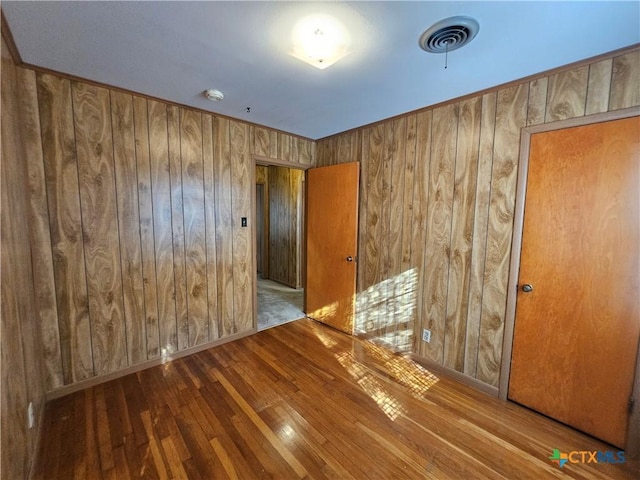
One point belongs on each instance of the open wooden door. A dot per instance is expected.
(331, 240)
(577, 321)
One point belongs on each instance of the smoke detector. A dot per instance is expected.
(449, 34)
(214, 95)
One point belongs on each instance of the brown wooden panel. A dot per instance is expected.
(161, 193)
(385, 307)
(306, 151)
(464, 199)
(124, 151)
(407, 192)
(599, 87)
(279, 224)
(145, 202)
(94, 147)
(419, 221)
(480, 219)
(370, 310)
(194, 225)
(441, 186)
(177, 226)
(625, 79)
(284, 147)
(242, 189)
(210, 223)
(22, 375)
(511, 113)
(537, 105)
(264, 143)
(224, 230)
(41, 253)
(567, 93)
(295, 200)
(576, 334)
(61, 170)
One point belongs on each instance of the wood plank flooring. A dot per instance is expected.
(302, 401)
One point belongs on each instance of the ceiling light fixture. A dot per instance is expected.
(214, 95)
(320, 40)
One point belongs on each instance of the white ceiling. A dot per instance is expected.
(176, 50)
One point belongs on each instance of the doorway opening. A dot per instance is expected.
(279, 240)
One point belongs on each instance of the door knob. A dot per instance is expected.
(349, 258)
(527, 287)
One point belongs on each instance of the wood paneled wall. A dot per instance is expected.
(136, 206)
(436, 209)
(22, 373)
(285, 225)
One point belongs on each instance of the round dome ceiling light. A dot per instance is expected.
(214, 95)
(449, 34)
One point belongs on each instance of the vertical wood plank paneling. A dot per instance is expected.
(480, 219)
(536, 110)
(599, 86)
(177, 225)
(373, 151)
(22, 375)
(293, 200)
(566, 95)
(242, 190)
(224, 231)
(408, 193)
(145, 205)
(306, 151)
(63, 198)
(161, 193)
(284, 147)
(92, 120)
(362, 223)
(126, 177)
(41, 253)
(464, 199)
(386, 307)
(510, 118)
(194, 225)
(624, 81)
(420, 213)
(440, 200)
(210, 222)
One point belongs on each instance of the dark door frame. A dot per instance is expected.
(633, 435)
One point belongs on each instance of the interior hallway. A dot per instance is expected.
(278, 304)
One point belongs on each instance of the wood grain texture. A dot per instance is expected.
(98, 198)
(242, 190)
(420, 212)
(210, 224)
(566, 94)
(480, 226)
(22, 373)
(191, 148)
(464, 199)
(599, 87)
(65, 223)
(224, 225)
(440, 200)
(625, 78)
(537, 101)
(41, 252)
(283, 404)
(510, 118)
(147, 238)
(177, 226)
(124, 158)
(161, 194)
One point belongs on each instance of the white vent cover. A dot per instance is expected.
(449, 34)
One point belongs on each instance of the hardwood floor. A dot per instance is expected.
(302, 401)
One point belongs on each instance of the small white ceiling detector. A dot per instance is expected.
(214, 95)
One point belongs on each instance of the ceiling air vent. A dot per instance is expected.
(449, 34)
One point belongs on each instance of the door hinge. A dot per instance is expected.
(632, 403)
